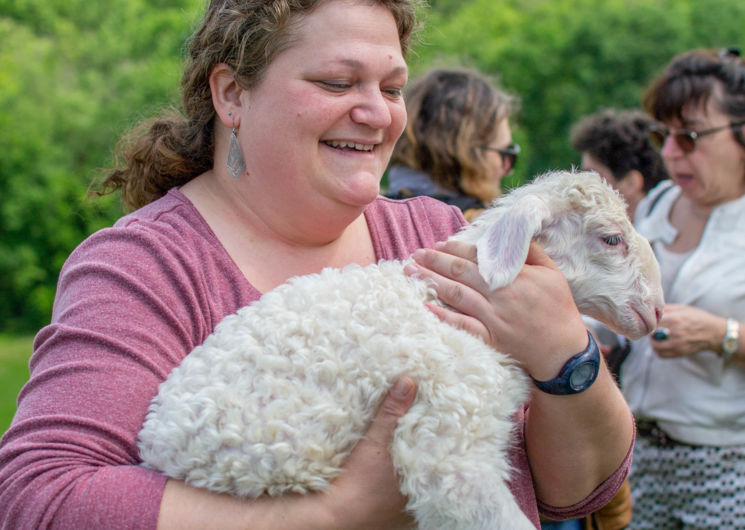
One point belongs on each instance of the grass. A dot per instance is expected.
(14, 354)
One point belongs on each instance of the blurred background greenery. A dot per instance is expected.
(75, 74)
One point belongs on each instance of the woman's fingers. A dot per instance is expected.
(397, 402)
(368, 490)
(456, 279)
(450, 263)
(457, 248)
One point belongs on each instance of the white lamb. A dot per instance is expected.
(276, 398)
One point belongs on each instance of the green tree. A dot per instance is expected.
(74, 74)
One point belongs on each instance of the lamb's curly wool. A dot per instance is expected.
(276, 398)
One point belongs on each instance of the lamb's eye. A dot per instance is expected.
(612, 240)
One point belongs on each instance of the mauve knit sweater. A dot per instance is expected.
(132, 301)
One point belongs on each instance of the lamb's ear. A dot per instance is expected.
(502, 249)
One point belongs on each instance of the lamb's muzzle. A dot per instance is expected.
(276, 398)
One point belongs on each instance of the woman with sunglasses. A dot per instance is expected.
(686, 383)
(457, 144)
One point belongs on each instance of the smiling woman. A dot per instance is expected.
(291, 111)
(329, 91)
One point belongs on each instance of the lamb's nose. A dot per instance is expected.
(658, 310)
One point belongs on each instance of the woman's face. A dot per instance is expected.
(714, 172)
(320, 127)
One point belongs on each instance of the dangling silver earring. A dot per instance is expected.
(236, 162)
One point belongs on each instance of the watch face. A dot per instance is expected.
(582, 374)
(730, 345)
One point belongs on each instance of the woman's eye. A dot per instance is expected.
(336, 86)
(394, 92)
(612, 240)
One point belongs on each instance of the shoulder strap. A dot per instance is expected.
(656, 200)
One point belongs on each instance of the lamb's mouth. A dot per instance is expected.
(337, 144)
(648, 323)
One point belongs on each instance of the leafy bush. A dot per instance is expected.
(73, 76)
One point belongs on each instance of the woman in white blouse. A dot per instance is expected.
(686, 383)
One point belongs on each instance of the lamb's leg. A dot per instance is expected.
(455, 475)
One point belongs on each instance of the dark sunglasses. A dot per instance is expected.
(508, 155)
(685, 140)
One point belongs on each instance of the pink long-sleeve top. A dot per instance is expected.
(132, 301)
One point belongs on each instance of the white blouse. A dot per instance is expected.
(696, 399)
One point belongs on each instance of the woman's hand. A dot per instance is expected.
(575, 442)
(690, 330)
(534, 319)
(367, 494)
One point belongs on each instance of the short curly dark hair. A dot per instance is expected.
(691, 78)
(619, 139)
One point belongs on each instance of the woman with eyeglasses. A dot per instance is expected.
(686, 383)
(457, 145)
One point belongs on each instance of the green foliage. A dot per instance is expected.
(568, 58)
(74, 74)
(14, 355)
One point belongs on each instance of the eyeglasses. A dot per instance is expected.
(684, 139)
(508, 155)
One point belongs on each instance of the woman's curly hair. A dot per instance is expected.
(451, 114)
(176, 146)
(620, 141)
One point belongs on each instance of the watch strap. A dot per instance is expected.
(577, 374)
(730, 342)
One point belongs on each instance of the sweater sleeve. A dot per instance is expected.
(128, 309)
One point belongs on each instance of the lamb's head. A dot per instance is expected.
(582, 224)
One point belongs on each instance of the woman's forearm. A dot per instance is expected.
(186, 507)
(575, 442)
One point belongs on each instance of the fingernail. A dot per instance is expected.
(410, 269)
(402, 388)
(418, 254)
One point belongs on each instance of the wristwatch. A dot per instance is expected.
(730, 342)
(577, 374)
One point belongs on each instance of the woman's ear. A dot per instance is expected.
(632, 184)
(226, 95)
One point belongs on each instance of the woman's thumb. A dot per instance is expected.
(399, 399)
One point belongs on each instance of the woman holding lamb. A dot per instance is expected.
(292, 112)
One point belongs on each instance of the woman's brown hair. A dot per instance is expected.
(176, 146)
(452, 113)
(693, 77)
